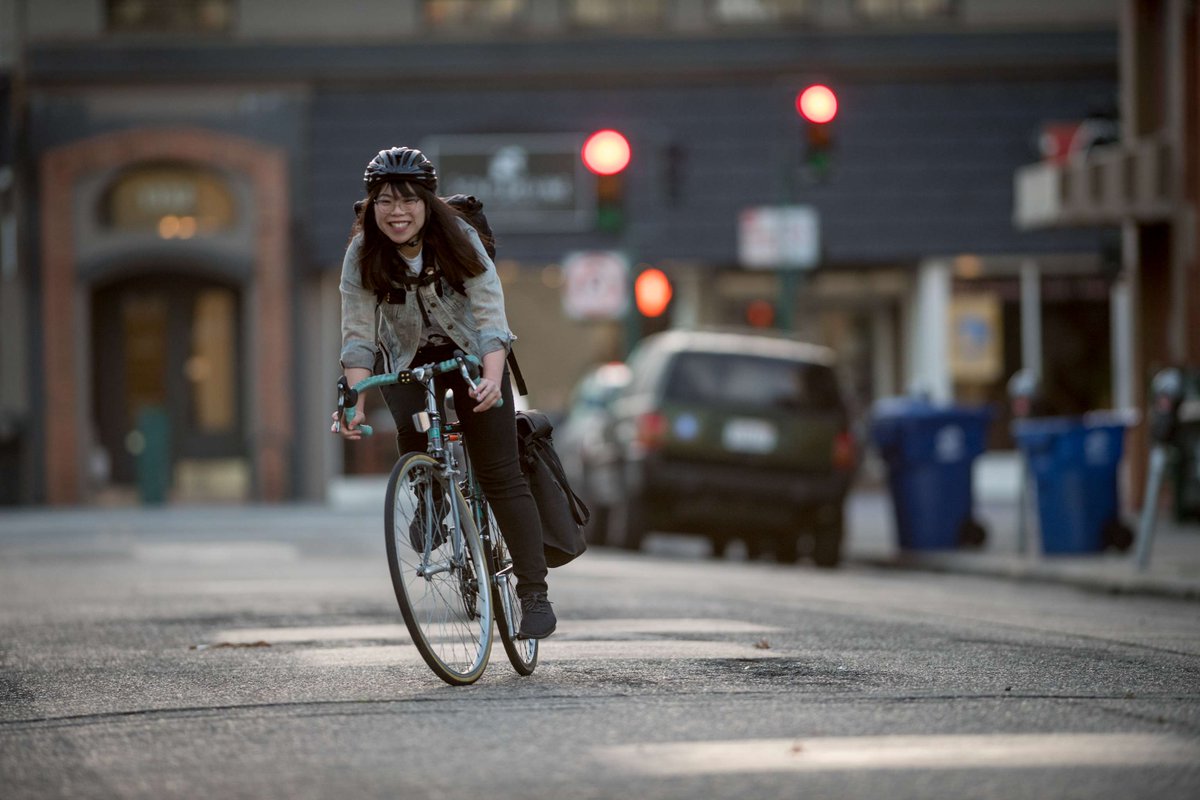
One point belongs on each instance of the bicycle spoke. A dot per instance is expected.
(435, 567)
(522, 653)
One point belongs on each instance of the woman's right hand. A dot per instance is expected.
(349, 428)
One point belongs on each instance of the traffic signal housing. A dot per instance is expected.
(817, 106)
(606, 154)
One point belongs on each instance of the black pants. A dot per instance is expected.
(492, 447)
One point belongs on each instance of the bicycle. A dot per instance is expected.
(443, 542)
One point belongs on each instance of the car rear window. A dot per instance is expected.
(751, 382)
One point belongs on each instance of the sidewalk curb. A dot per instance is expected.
(1080, 576)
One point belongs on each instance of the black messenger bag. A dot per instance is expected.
(562, 513)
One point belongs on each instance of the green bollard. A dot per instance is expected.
(153, 455)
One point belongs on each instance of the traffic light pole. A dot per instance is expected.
(789, 287)
(816, 107)
(633, 317)
(789, 277)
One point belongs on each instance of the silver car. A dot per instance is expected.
(584, 444)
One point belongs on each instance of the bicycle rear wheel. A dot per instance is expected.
(438, 570)
(523, 653)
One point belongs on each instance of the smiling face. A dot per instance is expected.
(401, 217)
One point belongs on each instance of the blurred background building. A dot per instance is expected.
(177, 177)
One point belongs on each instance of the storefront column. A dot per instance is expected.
(929, 357)
(883, 353)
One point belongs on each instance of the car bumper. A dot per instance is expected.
(698, 496)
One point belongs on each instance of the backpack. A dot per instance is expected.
(472, 211)
(562, 513)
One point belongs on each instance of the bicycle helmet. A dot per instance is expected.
(401, 163)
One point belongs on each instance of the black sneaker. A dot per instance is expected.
(537, 618)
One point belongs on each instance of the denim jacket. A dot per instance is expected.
(476, 322)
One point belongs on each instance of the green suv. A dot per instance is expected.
(733, 435)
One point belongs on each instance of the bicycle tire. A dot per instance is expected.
(522, 653)
(450, 621)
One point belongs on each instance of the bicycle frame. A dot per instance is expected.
(456, 471)
(428, 422)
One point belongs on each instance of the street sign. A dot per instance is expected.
(527, 182)
(596, 284)
(779, 237)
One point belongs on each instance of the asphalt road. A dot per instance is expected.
(258, 653)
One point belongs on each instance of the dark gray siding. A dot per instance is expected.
(920, 168)
(931, 129)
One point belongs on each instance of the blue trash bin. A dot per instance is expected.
(929, 451)
(1074, 466)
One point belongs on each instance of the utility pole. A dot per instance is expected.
(15, 391)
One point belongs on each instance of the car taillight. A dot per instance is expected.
(652, 430)
(844, 451)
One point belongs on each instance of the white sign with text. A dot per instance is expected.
(779, 237)
(596, 284)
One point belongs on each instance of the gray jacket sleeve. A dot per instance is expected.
(358, 313)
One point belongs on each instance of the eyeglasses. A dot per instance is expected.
(386, 202)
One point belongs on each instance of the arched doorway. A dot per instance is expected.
(170, 345)
(76, 254)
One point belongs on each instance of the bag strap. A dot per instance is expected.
(515, 369)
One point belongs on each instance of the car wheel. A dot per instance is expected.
(597, 527)
(827, 542)
(755, 546)
(827, 548)
(719, 543)
(630, 523)
(787, 547)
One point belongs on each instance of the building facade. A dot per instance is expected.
(182, 176)
(1146, 184)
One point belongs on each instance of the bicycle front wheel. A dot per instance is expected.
(438, 570)
(523, 653)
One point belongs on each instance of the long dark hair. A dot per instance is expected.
(443, 241)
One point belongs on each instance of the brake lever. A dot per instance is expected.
(346, 403)
(466, 368)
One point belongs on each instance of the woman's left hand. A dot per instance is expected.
(487, 392)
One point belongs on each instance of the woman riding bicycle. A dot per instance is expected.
(417, 284)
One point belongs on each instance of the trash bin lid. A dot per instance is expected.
(907, 428)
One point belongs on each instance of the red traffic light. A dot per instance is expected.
(817, 104)
(606, 152)
(652, 292)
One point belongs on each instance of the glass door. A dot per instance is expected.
(167, 348)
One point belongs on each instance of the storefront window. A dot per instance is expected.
(210, 366)
(616, 13)
(144, 320)
(450, 14)
(174, 201)
(169, 16)
(739, 12)
(902, 10)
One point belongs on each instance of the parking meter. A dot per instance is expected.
(1023, 390)
(1166, 395)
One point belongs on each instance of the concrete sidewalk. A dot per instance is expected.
(1173, 569)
